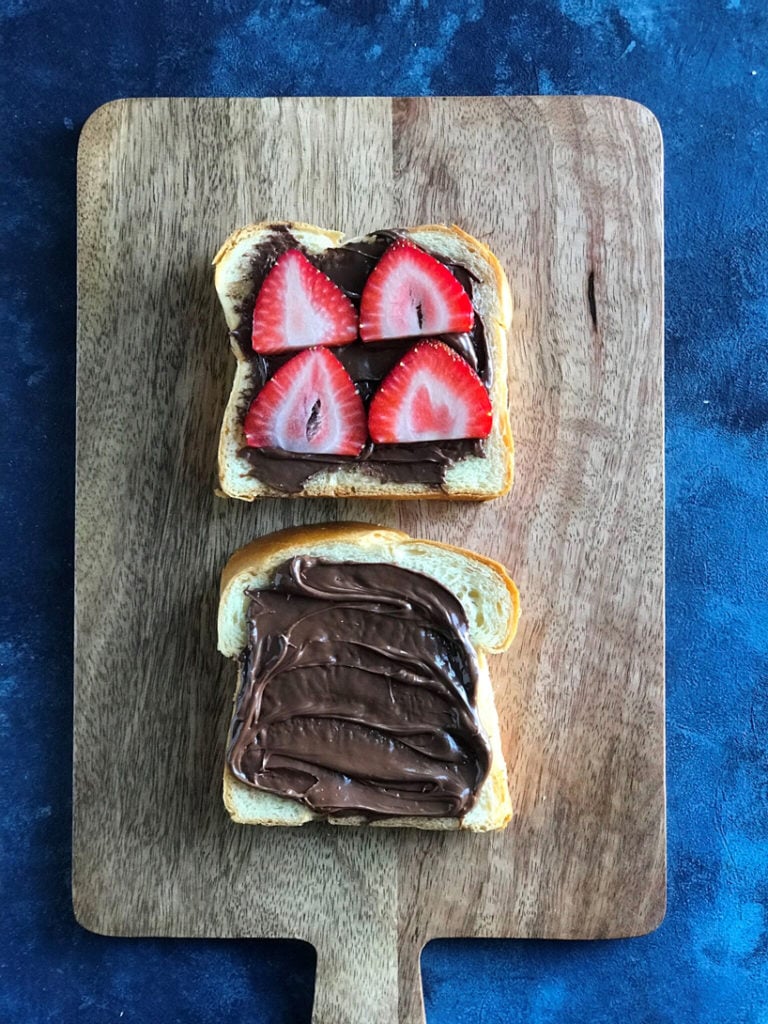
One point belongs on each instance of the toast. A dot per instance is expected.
(484, 591)
(475, 471)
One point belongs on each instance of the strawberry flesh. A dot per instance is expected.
(298, 306)
(431, 395)
(411, 294)
(310, 406)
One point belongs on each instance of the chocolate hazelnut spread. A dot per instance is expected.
(367, 364)
(358, 693)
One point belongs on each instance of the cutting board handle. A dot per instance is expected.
(367, 978)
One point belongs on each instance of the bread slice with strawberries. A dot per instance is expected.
(366, 367)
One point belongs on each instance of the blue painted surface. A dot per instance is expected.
(701, 67)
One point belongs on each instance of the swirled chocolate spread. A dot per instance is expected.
(358, 693)
(349, 266)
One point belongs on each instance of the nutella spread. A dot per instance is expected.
(367, 363)
(358, 693)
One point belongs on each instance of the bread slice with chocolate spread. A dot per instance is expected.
(363, 689)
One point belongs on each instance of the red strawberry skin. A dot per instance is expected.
(411, 294)
(298, 307)
(310, 406)
(431, 395)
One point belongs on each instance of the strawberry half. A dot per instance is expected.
(310, 405)
(298, 306)
(409, 294)
(431, 395)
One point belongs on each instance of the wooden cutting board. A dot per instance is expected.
(568, 193)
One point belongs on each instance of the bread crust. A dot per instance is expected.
(493, 808)
(283, 544)
(352, 481)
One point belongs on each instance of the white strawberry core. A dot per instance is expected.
(305, 422)
(411, 303)
(430, 413)
(304, 323)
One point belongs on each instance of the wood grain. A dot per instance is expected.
(567, 191)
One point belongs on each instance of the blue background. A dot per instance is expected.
(701, 67)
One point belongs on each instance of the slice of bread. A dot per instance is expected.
(473, 477)
(487, 594)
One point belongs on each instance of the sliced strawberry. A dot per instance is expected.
(298, 306)
(431, 395)
(309, 405)
(409, 294)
